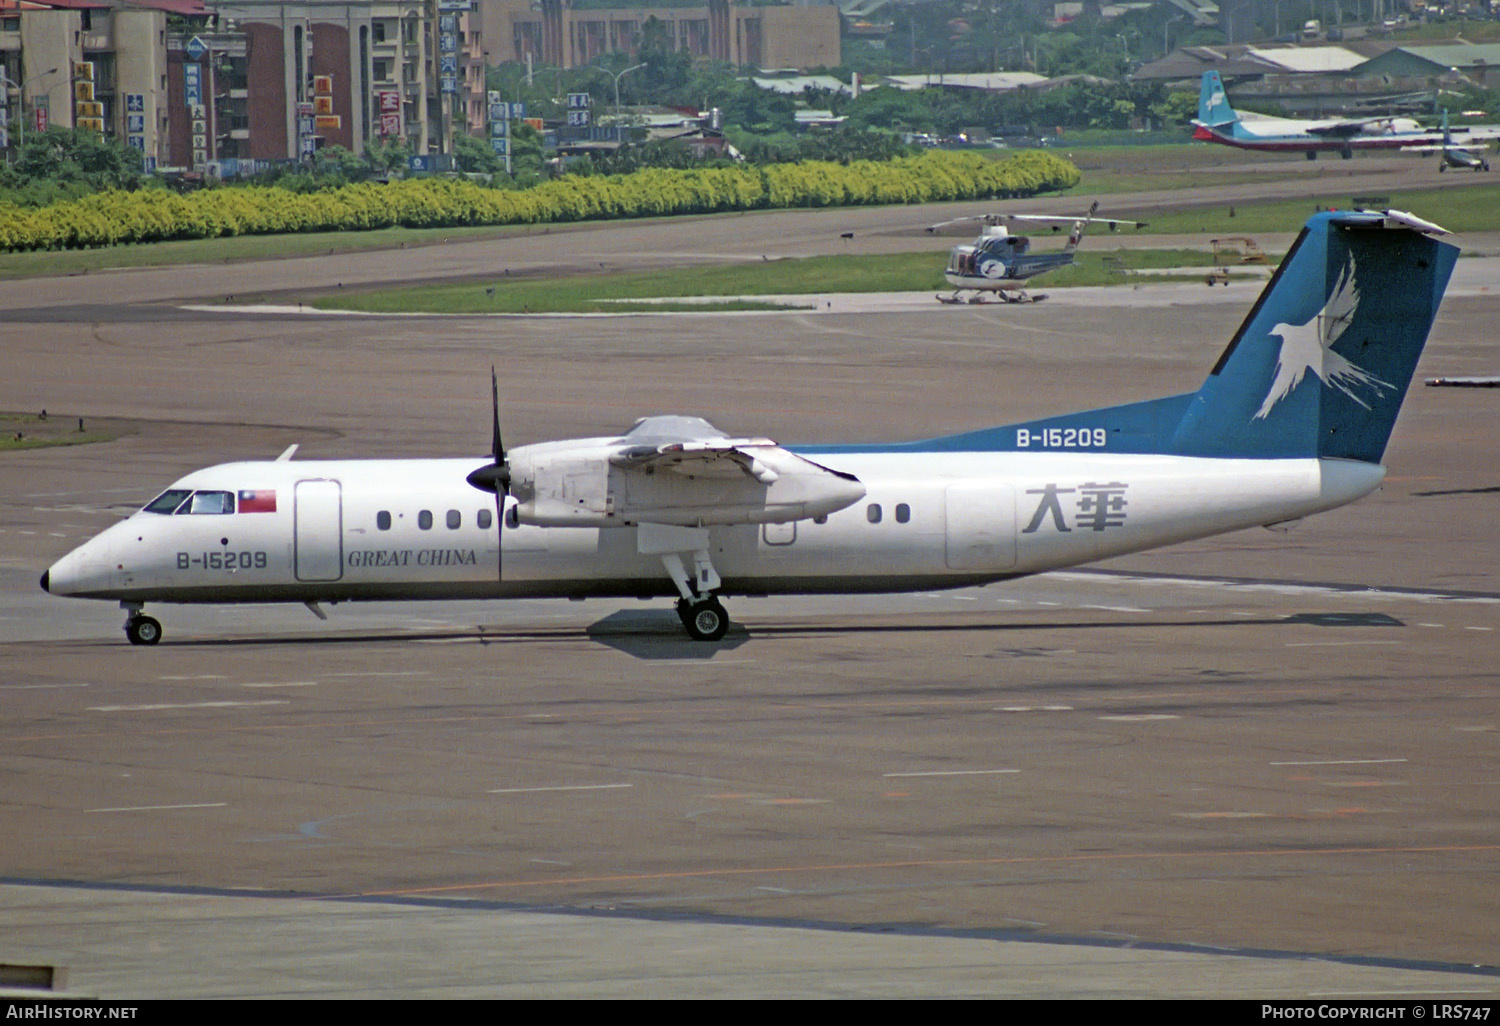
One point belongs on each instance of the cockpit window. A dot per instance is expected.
(167, 501)
(209, 502)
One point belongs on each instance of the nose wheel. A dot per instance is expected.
(705, 619)
(140, 628)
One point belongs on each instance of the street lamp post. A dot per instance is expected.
(636, 67)
(21, 106)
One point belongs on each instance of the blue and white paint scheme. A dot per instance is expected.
(1292, 420)
(1219, 122)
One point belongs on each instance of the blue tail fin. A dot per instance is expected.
(1213, 104)
(1318, 369)
(1322, 363)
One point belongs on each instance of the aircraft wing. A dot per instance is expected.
(1438, 148)
(1476, 133)
(1343, 129)
(719, 457)
(679, 471)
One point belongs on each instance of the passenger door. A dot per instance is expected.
(319, 537)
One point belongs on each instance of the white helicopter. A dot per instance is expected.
(1000, 263)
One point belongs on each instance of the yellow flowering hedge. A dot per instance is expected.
(153, 215)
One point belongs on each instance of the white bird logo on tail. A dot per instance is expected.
(1308, 347)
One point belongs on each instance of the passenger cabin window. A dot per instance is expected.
(455, 518)
(167, 501)
(383, 520)
(872, 513)
(484, 520)
(903, 513)
(512, 518)
(209, 502)
(424, 520)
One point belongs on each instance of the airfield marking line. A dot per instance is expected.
(950, 773)
(383, 673)
(573, 787)
(257, 727)
(1337, 762)
(1141, 717)
(1336, 644)
(1363, 783)
(1018, 860)
(200, 676)
(38, 687)
(282, 684)
(155, 808)
(184, 705)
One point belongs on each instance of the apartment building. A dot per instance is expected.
(800, 35)
(328, 72)
(195, 84)
(87, 64)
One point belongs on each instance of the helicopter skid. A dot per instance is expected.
(979, 298)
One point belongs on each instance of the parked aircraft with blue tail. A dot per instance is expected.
(1291, 421)
(1219, 122)
(1453, 154)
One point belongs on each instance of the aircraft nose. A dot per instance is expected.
(84, 571)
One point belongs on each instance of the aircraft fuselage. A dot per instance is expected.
(415, 529)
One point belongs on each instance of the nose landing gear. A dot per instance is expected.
(140, 628)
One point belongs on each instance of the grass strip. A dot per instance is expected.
(893, 272)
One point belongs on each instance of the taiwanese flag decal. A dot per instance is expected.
(258, 502)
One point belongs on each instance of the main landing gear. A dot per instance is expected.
(699, 608)
(704, 619)
(140, 628)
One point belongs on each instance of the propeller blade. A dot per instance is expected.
(497, 447)
(495, 478)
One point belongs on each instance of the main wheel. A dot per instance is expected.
(705, 621)
(143, 630)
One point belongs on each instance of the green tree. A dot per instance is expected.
(78, 156)
(388, 155)
(473, 155)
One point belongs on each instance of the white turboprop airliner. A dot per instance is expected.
(1292, 420)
